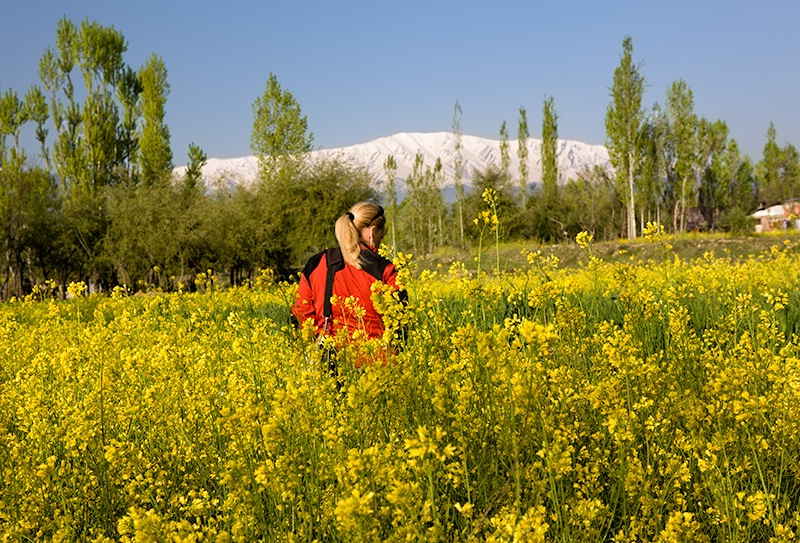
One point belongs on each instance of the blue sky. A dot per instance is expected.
(361, 70)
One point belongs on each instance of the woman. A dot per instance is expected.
(347, 272)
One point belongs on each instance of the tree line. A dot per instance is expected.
(670, 166)
(99, 202)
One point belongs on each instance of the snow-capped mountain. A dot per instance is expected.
(477, 154)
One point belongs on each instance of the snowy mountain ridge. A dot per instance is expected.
(477, 154)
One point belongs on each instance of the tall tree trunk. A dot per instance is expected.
(461, 223)
(658, 214)
(675, 213)
(683, 204)
(631, 205)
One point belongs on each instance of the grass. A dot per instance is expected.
(687, 247)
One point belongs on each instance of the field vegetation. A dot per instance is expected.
(648, 399)
(687, 247)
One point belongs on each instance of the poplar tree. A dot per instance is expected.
(742, 187)
(624, 119)
(458, 163)
(769, 178)
(55, 72)
(189, 238)
(390, 168)
(652, 167)
(414, 201)
(522, 152)
(429, 203)
(436, 206)
(280, 133)
(549, 147)
(194, 170)
(12, 117)
(712, 139)
(155, 154)
(505, 157)
(92, 140)
(790, 170)
(99, 58)
(36, 111)
(11, 172)
(129, 92)
(778, 170)
(683, 133)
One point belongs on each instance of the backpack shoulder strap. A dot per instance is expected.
(333, 257)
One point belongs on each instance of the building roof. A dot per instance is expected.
(773, 212)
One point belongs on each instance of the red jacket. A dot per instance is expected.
(348, 281)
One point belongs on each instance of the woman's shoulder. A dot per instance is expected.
(331, 257)
(374, 264)
(314, 262)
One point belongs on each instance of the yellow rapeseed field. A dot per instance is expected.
(646, 401)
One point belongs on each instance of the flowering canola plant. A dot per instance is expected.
(644, 401)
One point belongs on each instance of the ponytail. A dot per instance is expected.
(349, 226)
(348, 237)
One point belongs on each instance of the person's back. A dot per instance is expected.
(345, 275)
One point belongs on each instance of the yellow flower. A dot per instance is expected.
(584, 239)
(77, 289)
(653, 231)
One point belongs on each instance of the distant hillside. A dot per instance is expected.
(478, 154)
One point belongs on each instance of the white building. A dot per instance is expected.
(778, 216)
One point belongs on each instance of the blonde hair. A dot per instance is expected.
(350, 225)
